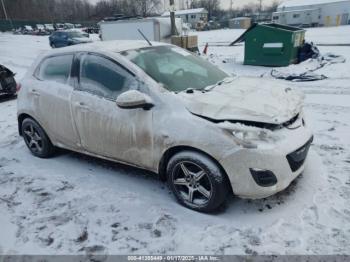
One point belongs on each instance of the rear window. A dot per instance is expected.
(75, 34)
(55, 69)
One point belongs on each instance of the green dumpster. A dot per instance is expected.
(271, 44)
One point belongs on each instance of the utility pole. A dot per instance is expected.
(4, 8)
(260, 7)
(172, 18)
(5, 12)
(231, 8)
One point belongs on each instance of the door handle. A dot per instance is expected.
(35, 92)
(82, 105)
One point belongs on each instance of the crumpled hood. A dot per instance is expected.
(247, 99)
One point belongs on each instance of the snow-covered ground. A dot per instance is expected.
(74, 204)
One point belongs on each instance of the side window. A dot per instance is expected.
(103, 77)
(56, 68)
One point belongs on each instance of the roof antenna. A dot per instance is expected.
(144, 37)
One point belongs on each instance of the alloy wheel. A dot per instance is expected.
(192, 183)
(33, 138)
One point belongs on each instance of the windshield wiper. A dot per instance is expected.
(191, 90)
(211, 87)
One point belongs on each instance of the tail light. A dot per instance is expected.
(18, 87)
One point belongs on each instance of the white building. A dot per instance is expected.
(313, 13)
(191, 16)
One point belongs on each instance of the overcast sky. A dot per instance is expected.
(226, 3)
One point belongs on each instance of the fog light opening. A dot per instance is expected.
(262, 177)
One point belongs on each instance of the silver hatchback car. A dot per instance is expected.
(166, 110)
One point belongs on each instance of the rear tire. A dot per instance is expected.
(197, 181)
(36, 139)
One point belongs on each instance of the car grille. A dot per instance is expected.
(291, 121)
(297, 158)
(268, 126)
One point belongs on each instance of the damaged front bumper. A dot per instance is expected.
(262, 172)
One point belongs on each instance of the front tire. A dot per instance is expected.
(36, 139)
(197, 181)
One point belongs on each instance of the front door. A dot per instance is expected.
(104, 128)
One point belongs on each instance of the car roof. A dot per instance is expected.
(114, 46)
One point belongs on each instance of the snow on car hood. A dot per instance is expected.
(248, 99)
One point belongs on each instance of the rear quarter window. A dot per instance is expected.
(56, 69)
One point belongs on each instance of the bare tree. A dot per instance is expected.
(212, 6)
(76, 10)
(273, 6)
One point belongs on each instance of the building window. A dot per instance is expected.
(296, 15)
(193, 16)
(275, 17)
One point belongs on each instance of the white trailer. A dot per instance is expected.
(155, 29)
(313, 12)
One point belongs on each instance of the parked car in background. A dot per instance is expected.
(91, 30)
(67, 38)
(40, 27)
(41, 30)
(166, 110)
(49, 27)
(17, 31)
(59, 26)
(68, 26)
(211, 25)
(8, 84)
(27, 30)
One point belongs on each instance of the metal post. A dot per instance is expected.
(260, 7)
(172, 18)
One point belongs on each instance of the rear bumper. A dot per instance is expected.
(285, 160)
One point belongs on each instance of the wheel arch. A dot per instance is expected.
(21, 117)
(20, 120)
(170, 152)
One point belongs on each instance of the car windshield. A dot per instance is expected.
(75, 34)
(176, 68)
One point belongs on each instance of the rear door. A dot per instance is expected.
(104, 128)
(52, 92)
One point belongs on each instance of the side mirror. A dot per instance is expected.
(134, 99)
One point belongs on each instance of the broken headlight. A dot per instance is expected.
(251, 137)
(248, 138)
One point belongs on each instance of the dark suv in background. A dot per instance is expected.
(67, 38)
